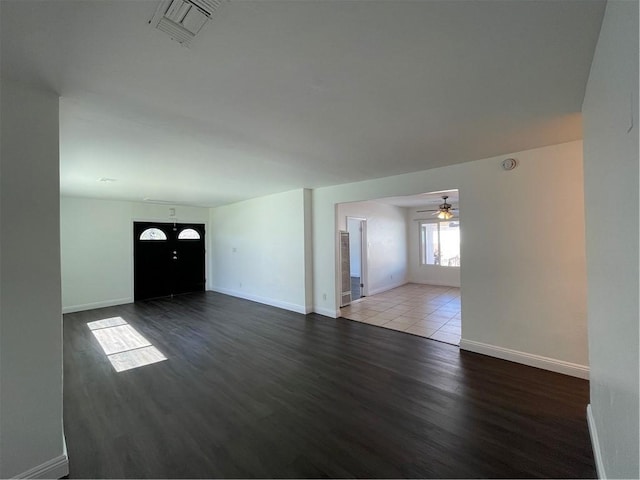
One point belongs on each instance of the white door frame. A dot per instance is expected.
(364, 271)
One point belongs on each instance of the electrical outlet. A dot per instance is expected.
(234, 249)
(324, 296)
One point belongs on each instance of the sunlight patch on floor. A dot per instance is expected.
(107, 322)
(124, 346)
(136, 358)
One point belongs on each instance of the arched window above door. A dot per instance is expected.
(153, 234)
(189, 234)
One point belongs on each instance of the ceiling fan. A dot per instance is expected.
(444, 211)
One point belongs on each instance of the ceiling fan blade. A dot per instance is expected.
(422, 211)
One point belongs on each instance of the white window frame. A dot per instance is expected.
(421, 246)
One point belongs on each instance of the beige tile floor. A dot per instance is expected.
(426, 310)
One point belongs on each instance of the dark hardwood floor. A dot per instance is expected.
(251, 391)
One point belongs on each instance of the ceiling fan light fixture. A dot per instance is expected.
(445, 209)
(445, 215)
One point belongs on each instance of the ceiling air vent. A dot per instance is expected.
(183, 19)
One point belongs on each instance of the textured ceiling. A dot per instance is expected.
(276, 95)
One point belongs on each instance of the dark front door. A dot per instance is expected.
(168, 259)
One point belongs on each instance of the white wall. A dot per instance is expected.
(97, 247)
(523, 270)
(611, 175)
(386, 243)
(31, 434)
(259, 250)
(427, 274)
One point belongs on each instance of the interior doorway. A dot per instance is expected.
(169, 259)
(356, 227)
(413, 263)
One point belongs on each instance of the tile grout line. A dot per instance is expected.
(386, 300)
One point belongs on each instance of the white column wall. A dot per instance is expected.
(31, 432)
(611, 122)
(259, 250)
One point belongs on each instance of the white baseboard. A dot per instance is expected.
(436, 283)
(293, 307)
(91, 306)
(552, 364)
(55, 468)
(385, 288)
(595, 443)
(327, 312)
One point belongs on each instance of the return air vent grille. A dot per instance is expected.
(175, 31)
(183, 19)
(207, 5)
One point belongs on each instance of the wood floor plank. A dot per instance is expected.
(252, 391)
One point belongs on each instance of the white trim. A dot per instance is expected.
(264, 300)
(55, 468)
(436, 283)
(595, 443)
(327, 312)
(91, 306)
(387, 287)
(364, 257)
(538, 361)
